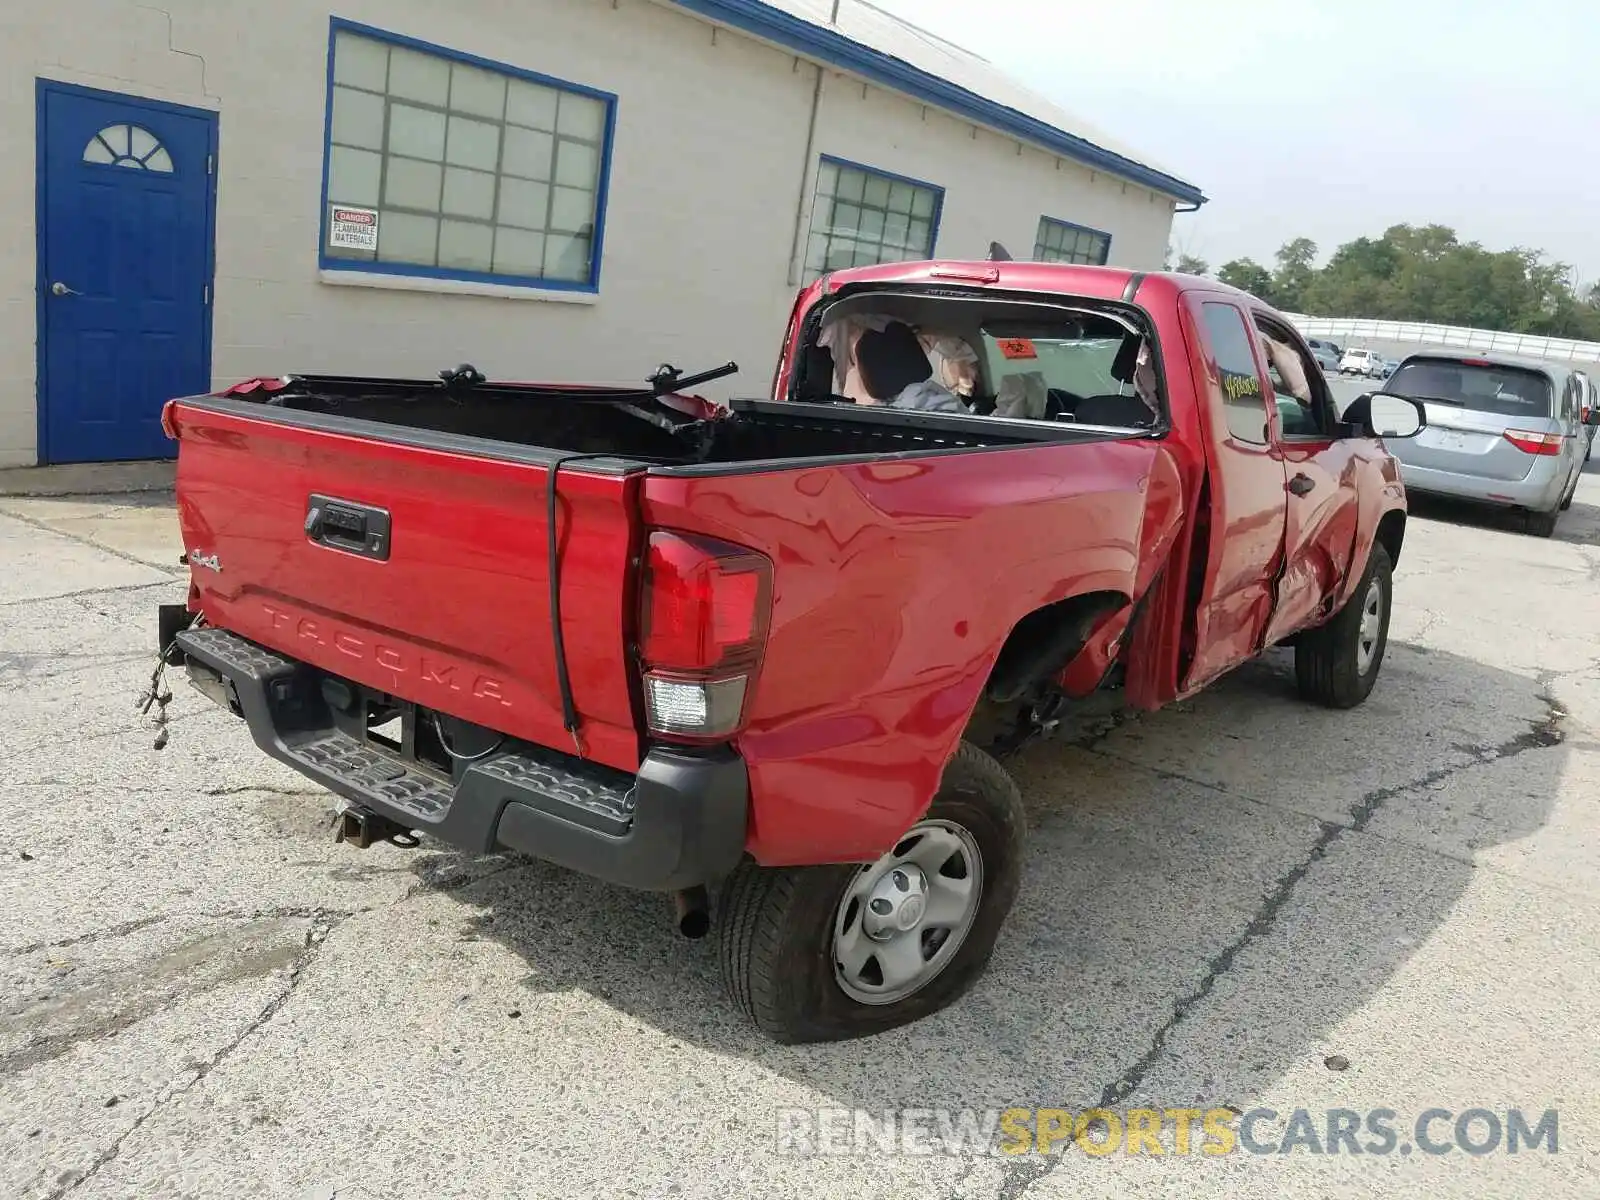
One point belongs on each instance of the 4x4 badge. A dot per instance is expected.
(209, 561)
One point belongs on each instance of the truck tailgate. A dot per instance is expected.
(418, 570)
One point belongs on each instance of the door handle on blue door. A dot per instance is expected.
(1301, 484)
(60, 289)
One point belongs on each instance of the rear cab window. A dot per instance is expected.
(1476, 385)
(988, 356)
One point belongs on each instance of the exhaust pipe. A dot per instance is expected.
(693, 910)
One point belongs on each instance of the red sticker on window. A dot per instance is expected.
(1017, 348)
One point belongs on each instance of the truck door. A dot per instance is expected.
(1245, 512)
(1320, 525)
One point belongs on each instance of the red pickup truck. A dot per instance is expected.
(675, 644)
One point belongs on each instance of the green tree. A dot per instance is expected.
(1357, 279)
(1248, 276)
(1188, 264)
(1426, 273)
(1296, 270)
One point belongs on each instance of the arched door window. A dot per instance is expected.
(128, 146)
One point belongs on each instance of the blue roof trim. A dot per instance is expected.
(775, 25)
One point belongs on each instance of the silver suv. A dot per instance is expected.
(1502, 431)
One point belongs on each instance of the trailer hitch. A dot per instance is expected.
(361, 828)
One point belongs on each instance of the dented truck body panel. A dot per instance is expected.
(896, 584)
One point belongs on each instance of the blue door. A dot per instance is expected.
(125, 252)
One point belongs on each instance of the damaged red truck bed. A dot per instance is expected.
(768, 647)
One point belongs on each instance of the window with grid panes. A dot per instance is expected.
(862, 217)
(471, 171)
(1060, 242)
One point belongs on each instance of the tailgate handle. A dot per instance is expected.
(345, 525)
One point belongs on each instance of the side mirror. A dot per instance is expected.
(1391, 416)
(1383, 415)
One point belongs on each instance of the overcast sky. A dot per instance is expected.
(1330, 119)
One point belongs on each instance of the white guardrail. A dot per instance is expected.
(1527, 345)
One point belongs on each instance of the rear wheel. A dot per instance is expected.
(1572, 491)
(1337, 664)
(815, 954)
(1541, 524)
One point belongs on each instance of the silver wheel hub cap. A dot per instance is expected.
(903, 918)
(897, 903)
(1371, 627)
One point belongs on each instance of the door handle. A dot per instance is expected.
(60, 289)
(360, 529)
(1301, 484)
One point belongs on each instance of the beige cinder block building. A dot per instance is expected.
(548, 189)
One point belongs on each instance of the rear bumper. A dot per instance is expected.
(678, 823)
(1539, 491)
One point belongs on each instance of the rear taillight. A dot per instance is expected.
(704, 609)
(169, 419)
(1535, 443)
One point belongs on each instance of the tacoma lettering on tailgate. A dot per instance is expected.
(402, 660)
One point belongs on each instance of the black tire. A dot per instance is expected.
(775, 926)
(1572, 491)
(1541, 524)
(1327, 659)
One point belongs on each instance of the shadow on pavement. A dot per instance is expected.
(1149, 873)
(1579, 524)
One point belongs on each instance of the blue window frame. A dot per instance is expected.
(863, 216)
(1064, 242)
(444, 165)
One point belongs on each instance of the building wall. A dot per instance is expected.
(996, 188)
(708, 175)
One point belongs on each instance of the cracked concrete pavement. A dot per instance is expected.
(205, 996)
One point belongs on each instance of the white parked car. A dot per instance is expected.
(1361, 362)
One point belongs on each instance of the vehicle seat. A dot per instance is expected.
(816, 375)
(891, 360)
(1126, 411)
(1060, 404)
